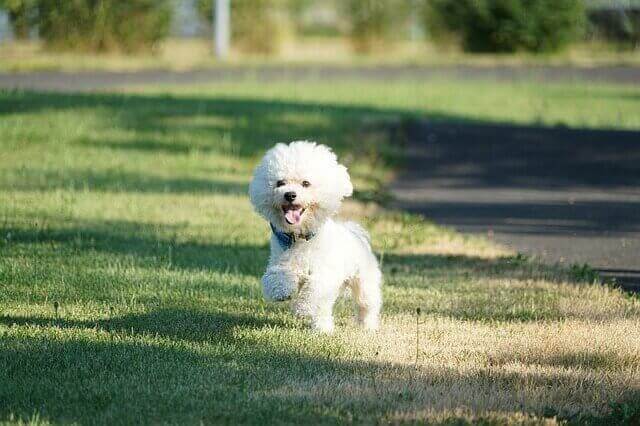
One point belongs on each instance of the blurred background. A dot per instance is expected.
(47, 34)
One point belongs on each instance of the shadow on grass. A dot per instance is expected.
(463, 266)
(251, 125)
(148, 245)
(118, 181)
(145, 145)
(221, 367)
(178, 324)
(117, 378)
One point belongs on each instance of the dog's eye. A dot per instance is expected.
(280, 183)
(306, 183)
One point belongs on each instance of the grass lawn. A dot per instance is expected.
(130, 262)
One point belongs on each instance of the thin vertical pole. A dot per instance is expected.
(222, 26)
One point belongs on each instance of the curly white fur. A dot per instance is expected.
(327, 255)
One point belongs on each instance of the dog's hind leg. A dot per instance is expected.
(367, 292)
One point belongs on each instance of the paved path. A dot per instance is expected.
(97, 80)
(564, 195)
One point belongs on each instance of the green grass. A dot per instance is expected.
(130, 262)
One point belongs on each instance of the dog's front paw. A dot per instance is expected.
(278, 285)
(323, 325)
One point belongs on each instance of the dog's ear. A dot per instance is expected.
(343, 183)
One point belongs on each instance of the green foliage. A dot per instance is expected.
(626, 412)
(584, 273)
(506, 25)
(254, 23)
(22, 15)
(619, 26)
(374, 22)
(103, 25)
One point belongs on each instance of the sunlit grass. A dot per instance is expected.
(197, 53)
(130, 261)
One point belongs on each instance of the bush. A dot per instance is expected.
(103, 25)
(22, 15)
(506, 25)
(374, 23)
(619, 26)
(254, 24)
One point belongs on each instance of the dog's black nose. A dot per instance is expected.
(290, 196)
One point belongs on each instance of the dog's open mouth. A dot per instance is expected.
(293, 213)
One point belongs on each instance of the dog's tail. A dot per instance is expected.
(359, 232)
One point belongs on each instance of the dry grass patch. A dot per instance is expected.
(476, 370)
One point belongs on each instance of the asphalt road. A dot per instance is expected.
(562, 195)
(99, 80)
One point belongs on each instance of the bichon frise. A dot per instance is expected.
(298, 188)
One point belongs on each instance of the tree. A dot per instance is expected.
(22, 15)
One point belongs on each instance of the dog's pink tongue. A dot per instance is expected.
(292, 216)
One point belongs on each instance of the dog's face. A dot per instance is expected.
(297, 186)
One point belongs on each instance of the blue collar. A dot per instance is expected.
(287, 240)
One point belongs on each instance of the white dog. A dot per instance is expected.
(298, 188)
